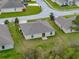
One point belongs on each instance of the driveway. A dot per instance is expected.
(46, 10)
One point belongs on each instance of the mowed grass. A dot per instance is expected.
(31, 2)
(30, 10)
(22, 45)
(58, 7)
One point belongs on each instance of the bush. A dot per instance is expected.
(52, 16)
(16, 21)
(24, 9)
(6, 22)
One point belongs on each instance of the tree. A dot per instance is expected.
(6, 22)
(16, 21)
(52, 16)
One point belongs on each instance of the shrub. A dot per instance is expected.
(6, 22)
(16, 21)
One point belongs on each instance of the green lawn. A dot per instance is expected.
(57, 7)
(23, 46)
(68, 16)
(31, 2)
(31, 10)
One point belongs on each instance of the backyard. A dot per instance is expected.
(22, 46)
(54, 5)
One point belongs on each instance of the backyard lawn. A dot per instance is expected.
(57, 7)
(22, 46)
(31, 10)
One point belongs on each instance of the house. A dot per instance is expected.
(11, 6)
(6, 41)
(37, 29)
(67, 2)
(65, 23)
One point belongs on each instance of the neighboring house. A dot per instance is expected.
(67, 2)
(65, 23)
(38, 29)
(11, 6)
(6, 41)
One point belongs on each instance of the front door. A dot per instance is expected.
(43, 34)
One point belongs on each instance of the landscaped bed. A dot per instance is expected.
(54, 5)
(30, 10)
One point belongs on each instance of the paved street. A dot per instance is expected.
(46, 10)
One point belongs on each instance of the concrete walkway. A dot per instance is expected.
(46, 10)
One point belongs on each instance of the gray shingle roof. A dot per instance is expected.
(5, 36)
(36, 27)
(66, 23)
(11, 4)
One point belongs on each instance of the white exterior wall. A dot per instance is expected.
(7, 10)
(34, 36)
(28, 37)
(39, 35)
(66, 30)
(11, 10)
(48, 33)
(19, 9)
(61, 2)
(8, 46)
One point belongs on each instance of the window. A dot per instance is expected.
(3, 47)
(43, 34)
(32, 36)
(50, 33)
